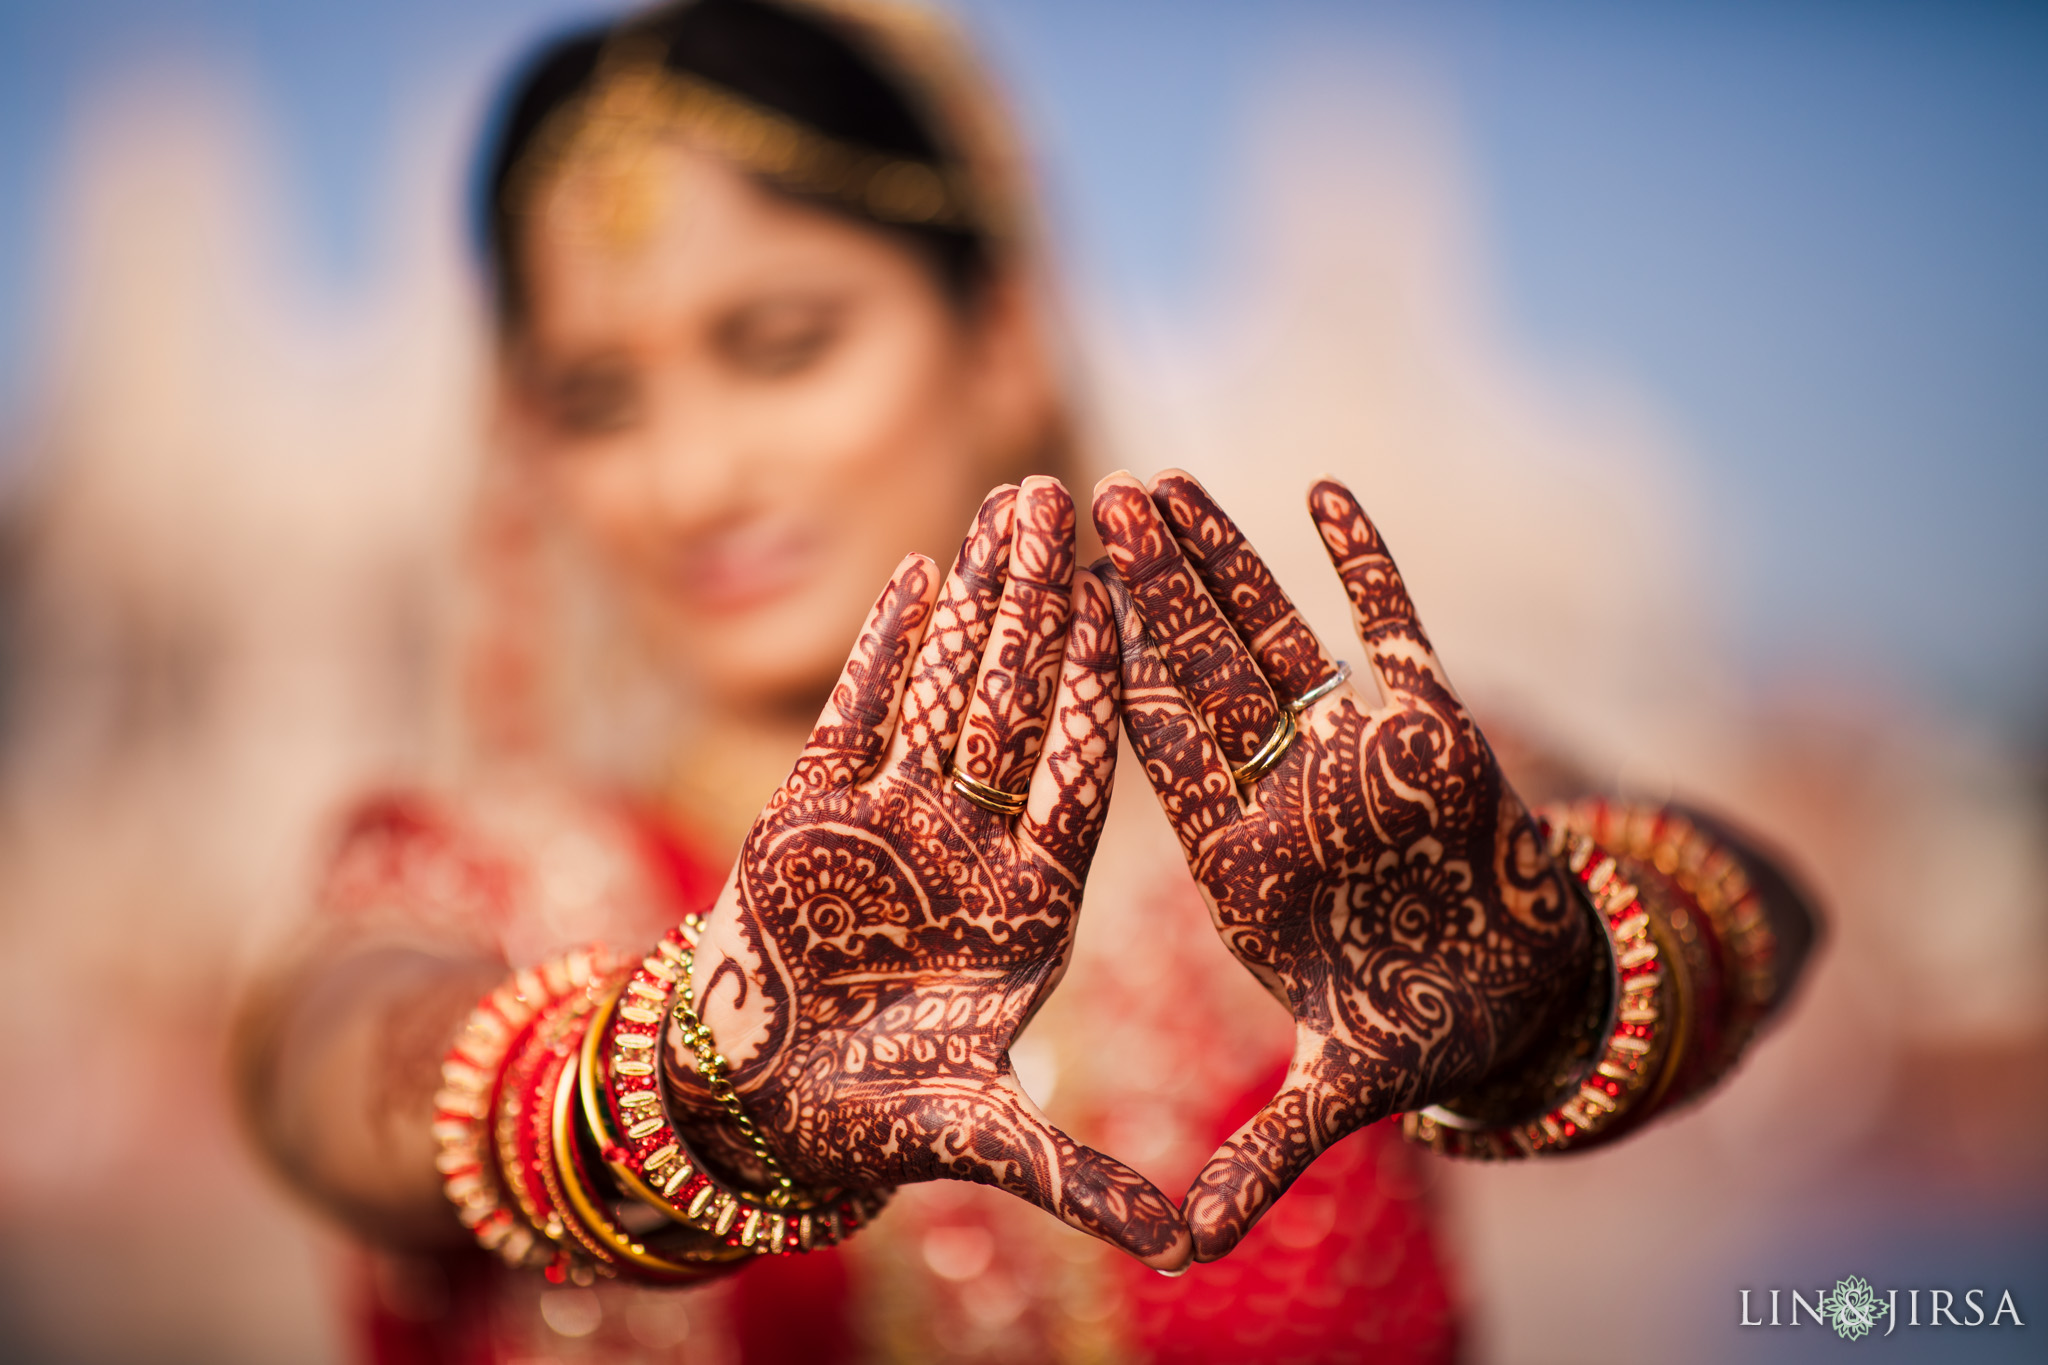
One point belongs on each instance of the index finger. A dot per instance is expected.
(1396, 648)
(1245, 590)
(1189, 776)
(1209, 663)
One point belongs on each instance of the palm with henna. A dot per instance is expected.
(883, 939)
(1382, 879)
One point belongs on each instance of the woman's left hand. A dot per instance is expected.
(883, 938)
(1381, 877)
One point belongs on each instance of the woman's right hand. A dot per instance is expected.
(883, 939)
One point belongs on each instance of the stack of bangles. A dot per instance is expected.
(556, 1145)
(1684, 982)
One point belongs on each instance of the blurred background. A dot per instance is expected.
(1693, 357)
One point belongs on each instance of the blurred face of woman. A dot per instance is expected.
(752, 411)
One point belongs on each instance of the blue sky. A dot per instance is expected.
(1811, 232)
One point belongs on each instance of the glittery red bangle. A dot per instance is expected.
(1644, 1037)
(472, 1075)
(626, 1112)
(524, 1142)
(670, 1255)
(1713, 877)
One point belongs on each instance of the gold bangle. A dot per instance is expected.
(1320, 690)
(1645, 1038)
(586, 1210)
(465, 1108)
(621, 1091)
(1271, 752)
(994, 800)
(1702, 868)
(522, 1133)
(542, 1140)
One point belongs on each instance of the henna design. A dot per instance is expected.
(1384, 882)
(1205, 655)
(1005, 726)
(1258, 610)
(882, 940)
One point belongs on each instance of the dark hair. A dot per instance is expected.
(794, 62)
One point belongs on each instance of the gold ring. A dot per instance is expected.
(994, 800)
(1321, 689)
(1270, 753)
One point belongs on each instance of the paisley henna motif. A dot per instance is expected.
(882, 939)
(1382, 880)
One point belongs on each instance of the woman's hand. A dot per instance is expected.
(1381, 879)
(883, 939)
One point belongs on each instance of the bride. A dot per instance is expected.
(692, 1023)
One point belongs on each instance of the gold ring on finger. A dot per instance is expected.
(994, 800)
(1321, 689)
(1270, 753)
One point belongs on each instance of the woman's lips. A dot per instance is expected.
(742, 568)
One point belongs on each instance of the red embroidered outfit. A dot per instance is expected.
(1343, 1269)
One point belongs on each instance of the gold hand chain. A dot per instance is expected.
(715, 1070)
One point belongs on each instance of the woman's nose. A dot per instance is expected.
(694, 466)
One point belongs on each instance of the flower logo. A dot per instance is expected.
(1853, 1308)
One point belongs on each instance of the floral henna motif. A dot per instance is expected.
(882, 940)
(1383, 880)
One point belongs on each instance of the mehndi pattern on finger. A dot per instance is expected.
(1386, 880)
(897, 936)
(1204, 654)
(1012, 703)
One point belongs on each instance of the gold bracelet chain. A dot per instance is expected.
(716, 1071)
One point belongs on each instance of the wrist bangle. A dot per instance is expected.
(1713, 876)
(671, 1255)
(1640, 1042)
(526, 1154)
(466, 1106)
(625, 1109)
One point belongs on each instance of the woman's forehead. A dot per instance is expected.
(681, 233)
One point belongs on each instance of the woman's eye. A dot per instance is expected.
(782, 338)
(592, 400)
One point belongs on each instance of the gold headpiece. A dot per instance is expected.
(610, 136)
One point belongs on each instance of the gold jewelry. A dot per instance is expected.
(585, 1206)
(522, 1137)
(466, 1105)
(636, 103)
(716, 1073)
(1640, 1054)
(1320, 690)
(623, 1107)
(1702, 868)
(1271, 752)
(994, 800)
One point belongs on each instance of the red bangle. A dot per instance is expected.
(669, 1255)
(626, 1113)
(1644, 1035)
(1713, 878)
(465, 1107)
(525, 1154)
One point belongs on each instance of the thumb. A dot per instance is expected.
(1250, 1172)
(1080, 1186)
